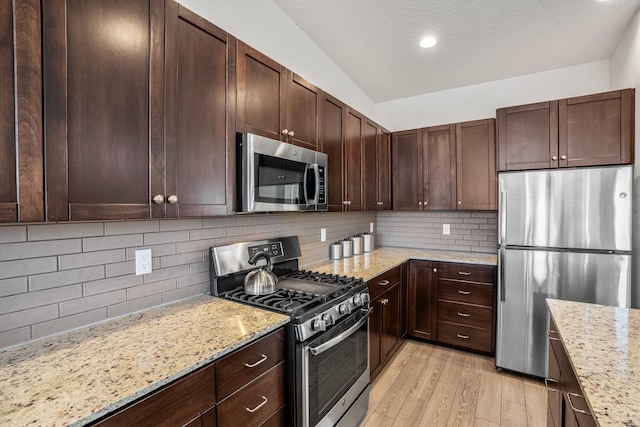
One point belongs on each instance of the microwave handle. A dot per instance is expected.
(316, 177)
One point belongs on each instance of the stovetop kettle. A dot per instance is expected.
(261, 281)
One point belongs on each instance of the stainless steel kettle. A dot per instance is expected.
(260, 281)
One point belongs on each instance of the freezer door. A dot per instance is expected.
(527, 277)
(587, 208)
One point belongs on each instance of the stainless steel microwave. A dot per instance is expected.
(276, 176)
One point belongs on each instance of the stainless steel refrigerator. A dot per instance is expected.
(563, 234)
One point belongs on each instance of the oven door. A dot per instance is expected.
(335, 370)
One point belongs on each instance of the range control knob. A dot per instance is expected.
(365, 298)
(328, 319)
(319, 325)
(357, 300)
(344, 309)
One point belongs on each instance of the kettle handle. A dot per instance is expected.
(254, 259)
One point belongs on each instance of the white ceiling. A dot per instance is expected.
(375, 42)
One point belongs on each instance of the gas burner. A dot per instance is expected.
(326, 278)
(283, 300)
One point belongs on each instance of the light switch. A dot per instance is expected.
(323, 234)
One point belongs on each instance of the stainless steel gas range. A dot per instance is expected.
(327, 338)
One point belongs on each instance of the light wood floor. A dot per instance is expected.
(436, 386)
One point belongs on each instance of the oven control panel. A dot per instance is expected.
(271, 249)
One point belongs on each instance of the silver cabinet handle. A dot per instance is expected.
(464, 337)
(173, 199)
(291, 133)
(464, 273)
(383, 283)
(158, 198)
(253, 365)
(580, 411)
(461, 292)
(546, 384)
(464, 314)
(549, 332)
(563, 157)
(264, 402)
(285, 132)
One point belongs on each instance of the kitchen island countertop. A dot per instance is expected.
(79, 376)
(603, 345)
(371, 264)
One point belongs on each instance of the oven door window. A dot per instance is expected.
(279, 181)
(332, 372)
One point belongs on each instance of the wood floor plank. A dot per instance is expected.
(378, 420)
(405, 382)
(464, 403)
(428, 377)
(536, 404)
(512, 388)
(439, 406)
(489, 397)
(411, 413)
(479, 422)
(513, 414)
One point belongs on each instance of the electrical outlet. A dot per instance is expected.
(446, 228)
(323, 234)
(143, 261)
(370, 227)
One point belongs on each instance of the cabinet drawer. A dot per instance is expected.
(464, 336)
(466, 272)
(469, 293)
(381, 283)
(242, 366)
(466, 314)
(256, 402)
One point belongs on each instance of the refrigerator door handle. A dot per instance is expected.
(501, 275)
(502, 217)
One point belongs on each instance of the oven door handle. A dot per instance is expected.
(336, 340)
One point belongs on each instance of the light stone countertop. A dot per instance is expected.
(79, 376)
(371, 264)
(603, 345)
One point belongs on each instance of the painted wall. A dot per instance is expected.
(56, 277)
(625, 72)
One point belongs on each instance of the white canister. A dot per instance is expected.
(367, 240)
(346, 248)
(357, 245)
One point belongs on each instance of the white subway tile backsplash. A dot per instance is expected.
(11, 234)
(68, 277)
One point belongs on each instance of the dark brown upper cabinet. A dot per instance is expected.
(476, 165)
(21, 181)
(584, 131)
(406, 172)
(275, 102)
(332, 126)
(103, 98)
(200, 117)
(439, 168)
(376, 158)
(353, 151)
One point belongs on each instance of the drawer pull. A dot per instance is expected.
(383, 283)
(580, 411)
(549, 332)
(546, 384)
(464, 273)
(461, 292)
(464, 314)
(253, 365)
(464, 337)
(264, 402)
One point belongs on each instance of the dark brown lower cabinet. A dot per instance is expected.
(567, 406)
(423, 298)
(385, 332)
(224, 393)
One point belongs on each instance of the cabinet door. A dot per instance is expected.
(439, 167)
(333, 126)
(200, 134)
(303, 109)
(103, 70)
(423, 294)
(596, 129)
(390, 322)
(21, 103)
(407, 170)
(383, 153)
(375, 337)
(370, 166)
(261, 91)
(353, 160)
(476, 165)
(528, 136)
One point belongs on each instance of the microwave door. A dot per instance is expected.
(311, 184)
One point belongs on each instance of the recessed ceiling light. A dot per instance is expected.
(428, 42)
